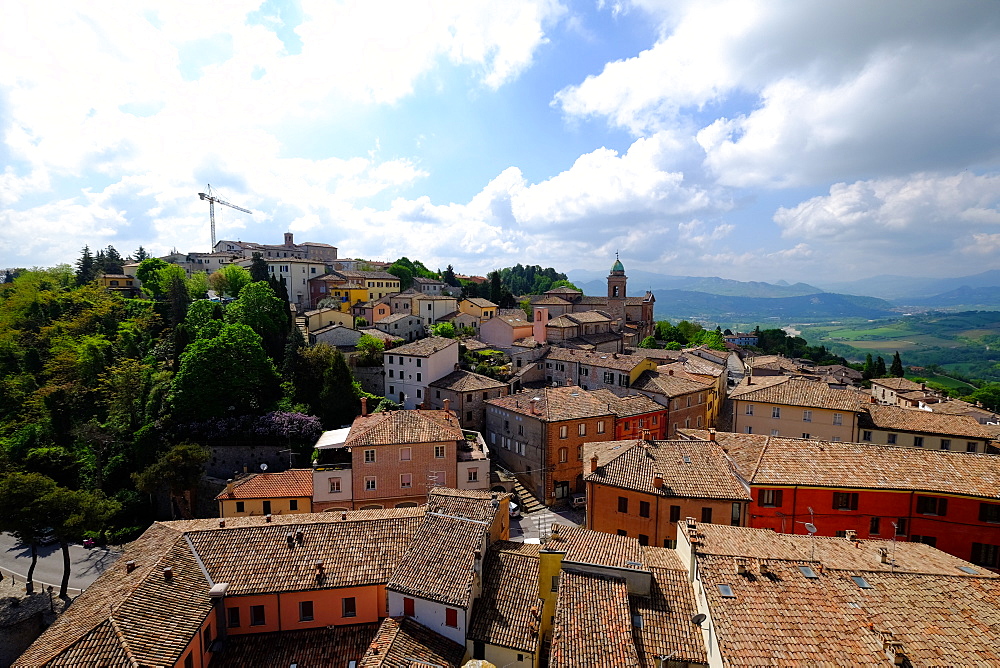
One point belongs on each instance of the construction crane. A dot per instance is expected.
(212, 199)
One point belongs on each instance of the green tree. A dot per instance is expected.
(880, 367)
(403, 273)
(896, 369)
(200, 313)
(259, 270)
(673, 345)
(113, 261)
(228, 374)
(648, 342)
(360, 322)
(73, 513)
(445, 330)
(86, 269)
(259, 308)
(147, 273)
(178, 471)
(230, 280)
(448, 276)
(140, 254)
(868, 370)
(371, 349)
(197, 285)
(22, 513)
(563, 283)
(988, 395)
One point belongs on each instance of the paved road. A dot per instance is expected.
(85, 563)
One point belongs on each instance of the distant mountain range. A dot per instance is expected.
(717, 299)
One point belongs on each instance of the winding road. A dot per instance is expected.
(85, 563)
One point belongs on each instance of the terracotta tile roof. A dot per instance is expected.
(423, 347)
(438, 565)
(554, 404)
(291, 483)
(394, 427)
(366, 275)
(604, 360)
(593, 622)
(773, 363)
(628, 406)
(897, 384)
(480, 302)
(513, 320)
(327, 646)
(549, 300)
(798, 392)
(389, 319)
(466, 381)
(896, 418)
(959, 407)
(101, 646)
(771, 460)
(471, 504)
(595, 548)
(427, 281)
(587, 317)
(401, 642)
(690, 469)
(668, 385)
(666, 613)
(507, 613)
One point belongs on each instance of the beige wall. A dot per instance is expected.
(791, 422)
(930, 441)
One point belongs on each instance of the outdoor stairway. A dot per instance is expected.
(300, 322)
(529, 502)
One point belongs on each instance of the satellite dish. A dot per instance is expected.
(698, 619)
(263, 467)
(811, 528)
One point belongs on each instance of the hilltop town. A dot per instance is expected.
(354, 463)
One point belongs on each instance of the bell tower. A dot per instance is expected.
(617, 283)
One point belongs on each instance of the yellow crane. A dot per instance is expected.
(212, 199)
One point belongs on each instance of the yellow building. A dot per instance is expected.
(285, 493)
(483, 309)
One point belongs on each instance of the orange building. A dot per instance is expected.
(643, 488)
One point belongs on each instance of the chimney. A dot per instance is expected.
(568, 382)
(319, 570)
(290, 537)
(364, 406)
(168, 574)
(851, 535)
(267, 518)
(670, 372)
(447, 405)
(741, 567)
(593, 463)
(883, 554)
(657, 480)
(229, 486)
(129, 566)
(711, 435)
(299, 536)
(343, 517)
(222, 524)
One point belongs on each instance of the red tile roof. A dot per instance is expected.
(288, 484)
(395, 427)
(593, 623)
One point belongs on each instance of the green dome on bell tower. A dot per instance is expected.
(617, 267)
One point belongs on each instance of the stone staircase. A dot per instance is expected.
(529, 502)
(300, 323)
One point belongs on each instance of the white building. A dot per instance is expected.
(409, 369)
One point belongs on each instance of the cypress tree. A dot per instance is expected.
(868, 371)
(85, 269)
(896, 369)
(880, 368)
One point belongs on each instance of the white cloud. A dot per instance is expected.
(803, 92)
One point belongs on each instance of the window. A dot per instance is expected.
(451, 617)
(644, 509)
(369, 456)
(622, 504)
(581, 429)
(334, 485)
(770, 498)
(776, 411)
(240, 506)
(563, 455)
(622, 532)
(989, 512)
(520, 430)
(405, 480)
(293, 504)
(932, 505)
(473, 474)
(349, 607)
(468, 415)
(866, 435)
(405, 454)
(370, 482)
(971, 446)
(706, 515)
(419, 392)
(600, 426)
(736, 515)
(305, 611)
(748, 429)
(774, 432)
(408, 606)
(918, 441)
(749, 410)
(418, 376)
(890, 439)
(391, 371)
(438, 452)
(233, 615)
(805, 434)
(189, 661)
(838, 419)
(675, 513)
(257, 615)
(623, 380)
(609, 377)
(643, 539)
(926, 540)
(901, 526)
(845, 500)
(563, 431)
(418, 362)
(807, 416)
(873, 526)
(984, 554)
(579, 453)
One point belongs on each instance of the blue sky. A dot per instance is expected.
(799, 140)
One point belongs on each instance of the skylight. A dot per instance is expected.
(726, 591)
(967, 569)
(861, 582)
(808, 572)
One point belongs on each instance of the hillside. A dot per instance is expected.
(595, 283)
(704, 307)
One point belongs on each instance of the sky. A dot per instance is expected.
(798, 140)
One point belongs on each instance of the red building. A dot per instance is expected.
(950, 500)
(637, 416)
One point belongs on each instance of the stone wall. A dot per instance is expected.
(372, 379)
